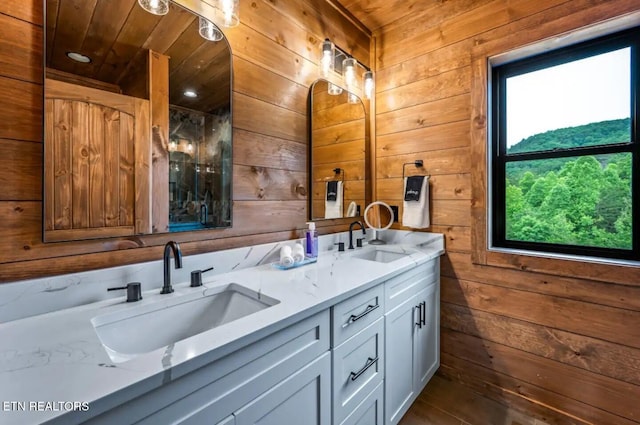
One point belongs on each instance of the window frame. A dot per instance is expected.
(498, 158)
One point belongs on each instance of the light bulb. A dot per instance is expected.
(353, 99)
(368, 84)
(349, 69)
(172, 146)
(230, 13)
(190, 147)
(326, 62)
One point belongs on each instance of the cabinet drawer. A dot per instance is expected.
(356, 313)
(358, 367)
(402, 287)
(369, 412)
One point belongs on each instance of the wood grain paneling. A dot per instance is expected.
(275, 61)
(250, 148)
(560, 341)
(21, 163)
(20, 49)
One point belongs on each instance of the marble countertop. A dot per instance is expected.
(57, 357)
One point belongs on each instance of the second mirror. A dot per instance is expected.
(339, 153)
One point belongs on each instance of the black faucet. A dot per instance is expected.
(364, 232)
(177, 256)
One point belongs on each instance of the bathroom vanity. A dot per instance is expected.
(351, 339)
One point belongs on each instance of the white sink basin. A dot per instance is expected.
(129, 333)
(381, 255)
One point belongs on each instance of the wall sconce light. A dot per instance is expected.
(349, 68)
(230, 12)
(349, 72)
(209, 31)
(327, 58)
(157, 7)
(368, 84)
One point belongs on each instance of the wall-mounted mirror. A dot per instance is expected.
(339, 154)
(137, 121)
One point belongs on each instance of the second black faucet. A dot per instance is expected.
(351, 226)
(177, 257)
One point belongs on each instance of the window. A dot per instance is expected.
(564, 155)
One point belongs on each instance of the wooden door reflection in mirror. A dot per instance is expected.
(137, 121)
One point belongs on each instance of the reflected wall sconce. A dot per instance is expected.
(209, 31)
(157, 7)
(334, 90)
(335, 60)
(227, 15)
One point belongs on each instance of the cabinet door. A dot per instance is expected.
(400, 326)
(427, 341)
(304, 397)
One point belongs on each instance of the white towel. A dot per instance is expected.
(333, 209)
(416, 213)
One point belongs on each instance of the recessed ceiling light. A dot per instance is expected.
(79, 57)
(190, 93)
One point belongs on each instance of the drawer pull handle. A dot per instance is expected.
(356, 317)
(419, 322)
(423, 313)
(370, 362)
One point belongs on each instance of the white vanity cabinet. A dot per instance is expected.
(362, 361)
(412, 343)
(239, 387)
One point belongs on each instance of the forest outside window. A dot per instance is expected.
(564, 155)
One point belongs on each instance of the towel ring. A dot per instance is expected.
(418, 163)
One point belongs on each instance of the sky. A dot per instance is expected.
(580, 92)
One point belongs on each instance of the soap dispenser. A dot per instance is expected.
(311, 241)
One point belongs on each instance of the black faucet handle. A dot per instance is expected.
(340, 246)
(196, 277)
(134, 291)
(359, 242)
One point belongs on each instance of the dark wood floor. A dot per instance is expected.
(449, 403)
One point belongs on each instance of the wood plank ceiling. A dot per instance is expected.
(378, 13)
(116, 35)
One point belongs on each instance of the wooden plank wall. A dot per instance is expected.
(564, 349)
(274, 63)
